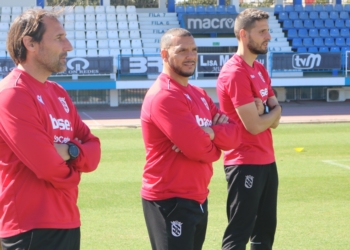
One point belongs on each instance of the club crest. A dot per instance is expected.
(40, 99)
(205, 103)
(188, 97)
(249, 181)
(64, 104)
(176, 228)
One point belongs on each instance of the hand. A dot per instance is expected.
(209, 131)
(220, 119)
(62, 150)
(259, 105)
(175, 148)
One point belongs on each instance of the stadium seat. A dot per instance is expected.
(210, 9)
(312, 49)
(80, 52)
(79, 34)
(130, 9)
(101, 34)
(122, 26)
(309, 7)
(313, 15)
(340, 41)
(298, 24)
(339, 23)
(334, 32)
(190, 9)
(113, 34)
(289, 8)
(91, 44)
(221, 9)
(2, 45)
(89, 9)
(79, 26)
(132, 17)
(113, 25)
(323, 15)
(121, 17)
(319, 23)
(283, 16)
(200, 9)
(278, 8)
(347, 41)
(124, 34)
(110, 9)
(103, 44)
(134, 34)
(180, 9)
(323, 49)
(329, 23)
(301, 49)
(101, 26)
(79, 9)
(318, 42)
(344, 49)
(298, 8)
(328, 7)
(134, 25)
(67, 26)
(347, 23)
(103, 52)
(328, 41)
(345, 32)
(71, 53)
(231, 9)
(333, 15)
(287, 24)
(80, 44)
(120, 9)
(90, 26)
(338, 7)
(79, 17)
(124, 44)
(92, 52)
(334, 49)
(70, 34)
(347, 7)
(126, 52)
(308, 42)
(5, 18)
(297, 42)
(292, 33)
(308, 24)
(324, 32)
(293, 15)
(101, 17)
(313, 32)
(303, 33)
(318, 7)
(16, 10)
(67, 18)
(303, 15)
(137, 52)
(6, 10)
(114, 52)
(344, 15)
(91, 34)
(114, 44)
(111, 17)
(136, 43)
(90, 18)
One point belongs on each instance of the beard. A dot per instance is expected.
(52, 64)
(254, 48)
(178, 70)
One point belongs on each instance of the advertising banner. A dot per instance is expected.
(205, 24)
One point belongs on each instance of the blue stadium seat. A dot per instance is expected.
(309, 7)
(283, 16)
(318, 42)
(303, 15)
(287, 24)
(231, 9)
(298, 24)
(289, 8)
(344, 49)
(319, 24)
(339, 23)
(318, 7)
(323, 15)
(329, 41)
(303, 33)
(308, 24)
(313, 15)
(334, 49)
(308, 42)
(334, 33)
(292, 33)
(221, 9)
(344, 15)
(313, 32)
(200, 9)
(347, 7)
(333, 15)
(301, 50)
(345, 32)
(328, 7)
(340, 41)
(180, 9)
(297, 42)
(347, 41)
(338, 7)
(324, 32)
(210, 9)
(329, 23)
(323, 49)
(278, 8)
(298, 8)
(347, 23)
(190, 9)
(312, 49)
(293, 15)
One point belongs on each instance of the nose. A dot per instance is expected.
(68, 46)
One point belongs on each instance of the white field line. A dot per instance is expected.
(91, 118)
(335, 163)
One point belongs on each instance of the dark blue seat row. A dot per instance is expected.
(314, 33)
(201, 9)
(321, 42)
(309, 7)
(313, 15)
(339, 23)
(314, 49)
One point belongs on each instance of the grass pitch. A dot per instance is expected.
(313, 201)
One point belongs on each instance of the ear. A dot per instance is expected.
(242, 34)
(28, 43)
(164, 54)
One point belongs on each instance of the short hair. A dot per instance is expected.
(247, 18)
(29, 23)
(165, 40)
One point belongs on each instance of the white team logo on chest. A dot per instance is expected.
(176, 228)
(40, 99)
(248, 183)
(205, 102)
(261, 76)
(188, 97)
(64, 104)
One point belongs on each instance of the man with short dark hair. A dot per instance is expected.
(250, 169)
(44, 144)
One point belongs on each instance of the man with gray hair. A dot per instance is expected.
(250, 169)
(183, 132)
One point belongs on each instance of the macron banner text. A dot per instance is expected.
(204, 24)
